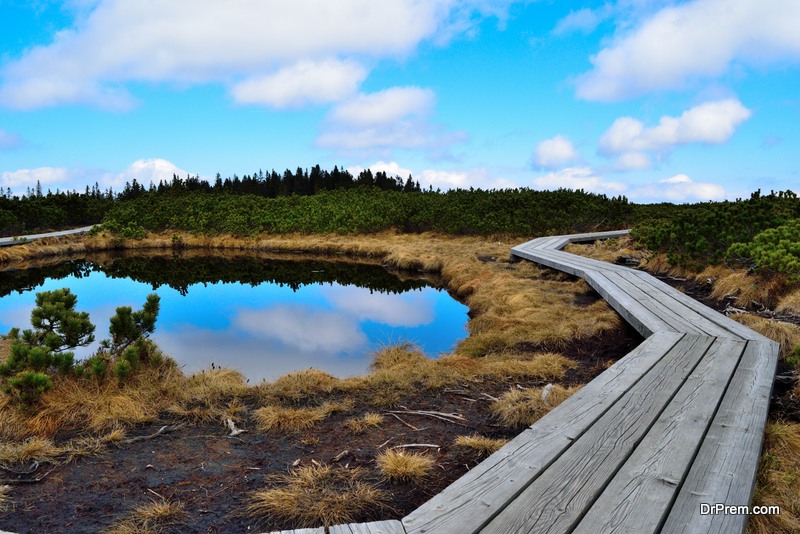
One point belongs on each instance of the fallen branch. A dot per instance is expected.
(34, 466)
(409, 425)
(448, 417)
(27, 480)
(408, 445)
(163, 430)
(232, 426)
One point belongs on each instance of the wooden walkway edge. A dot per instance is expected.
(676, 424)
(22, 239)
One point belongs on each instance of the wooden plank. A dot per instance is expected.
(19, 240)
(724, 470)
(558, 498)
(536, 256)
(651, 477)
(681, 319)
(582, 261)
(735, 328)
(318, 530)
(636, 314)
(594, 236)
(471, 501)
(376, 527)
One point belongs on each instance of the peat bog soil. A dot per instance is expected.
(211, 473)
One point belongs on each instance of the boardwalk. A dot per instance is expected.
(676, 423)
(19, 240)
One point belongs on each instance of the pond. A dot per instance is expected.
(261, 314)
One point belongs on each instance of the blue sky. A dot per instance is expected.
(656, 100)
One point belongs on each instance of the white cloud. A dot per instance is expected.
(397, 117)
(385, 107)
(9, 140)
(579, 178)
(555, 152)
(391, 168)
(408, 309)
(24, 178)
(114, 42)
(711, 122)
(584, 20)
(699, 39)
(145, 171)
(302, 83)
(679, 188)
(333, 332)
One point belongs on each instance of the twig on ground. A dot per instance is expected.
(163, 430)
(409, 425)
(408, 445)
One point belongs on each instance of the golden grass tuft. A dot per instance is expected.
(157, 516)
(482, 445)
(523, 407)
(215, 384)
(404, 466)
(300, 386)
(749, 288)
(786, 334)
(359, 425)
(317, 495)
(31, 449)
(403, 355)
(778, 476)
(789, 303)
(5, 498)
(543, 366)
(282, 418)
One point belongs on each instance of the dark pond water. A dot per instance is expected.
(263, 315)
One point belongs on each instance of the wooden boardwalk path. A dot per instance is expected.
(19, 240)
(676, 423)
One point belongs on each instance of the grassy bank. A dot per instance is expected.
(522, 319)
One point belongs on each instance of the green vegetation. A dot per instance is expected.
(367, 210)
(775, 250)
(40, 353)
(695, 235)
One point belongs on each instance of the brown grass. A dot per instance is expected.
(608, 250)
(787, 334)
(359, 425)
(789, 303)
(404, 466)
(5, 498)
(778, 477)
(482, 445)
(523, 407)
(281, 418)
(749, 288)
(315, 495)
(155, 517)
(299, 386)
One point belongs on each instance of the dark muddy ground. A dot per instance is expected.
(211, 473)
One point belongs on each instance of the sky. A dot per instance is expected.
(678, 101)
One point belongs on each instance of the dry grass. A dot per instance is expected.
(87, 404)
(778, 477)
(482, 445)
(5, 498)
(157, 516)
(315, 495)
(282, 418)
(542, 366)
(749, 288)
(787, 334)
(789, 303)
(29, 450)
(359, 425)
(299, 386)
(523, 407)
(404, 466)
(608, 250)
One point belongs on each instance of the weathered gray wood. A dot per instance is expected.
(471, 501)
(651, 477)
(724, 470)
(680, 318)
(318, 530)
(735, 328)
(376, 527)
(19, 240)
(643, 320)
(554, 263)
(558, 498)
